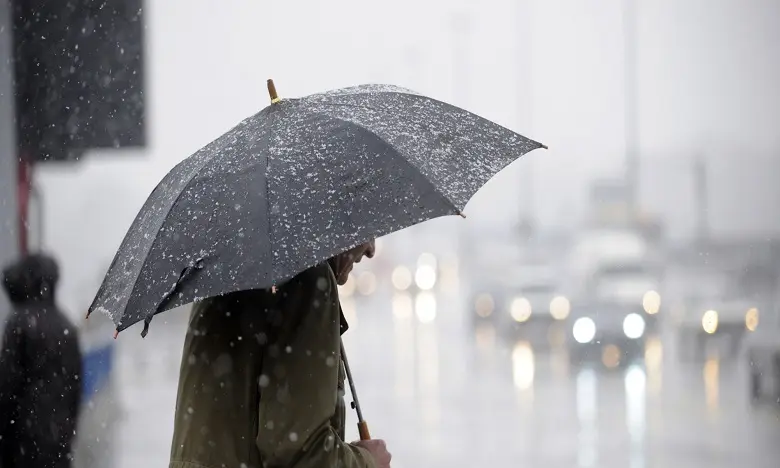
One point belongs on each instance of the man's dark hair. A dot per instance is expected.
(33, 277)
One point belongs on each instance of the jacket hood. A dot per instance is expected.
(31, 278)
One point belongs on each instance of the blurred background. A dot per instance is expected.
(613, 301)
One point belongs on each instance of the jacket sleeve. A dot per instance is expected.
(299, 381)
(11, 367)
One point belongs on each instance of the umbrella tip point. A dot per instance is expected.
(461, 214)
(116, 333)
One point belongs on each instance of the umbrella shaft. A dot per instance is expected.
(351, 384)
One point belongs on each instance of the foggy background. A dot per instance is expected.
(552, 70)
(443, 380)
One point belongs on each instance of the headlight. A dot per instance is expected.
(651, 302)
(584, 330)
(560, 308)
(366, 283)
(751, 319)
(709, 321)
(520, 309)
(402, 278)
(484, 305)
(633, 326)
(348, 289)
(425, 277)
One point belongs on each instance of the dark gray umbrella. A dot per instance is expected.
(295, 184)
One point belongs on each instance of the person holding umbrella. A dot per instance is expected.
(258, 228)
(261, 381)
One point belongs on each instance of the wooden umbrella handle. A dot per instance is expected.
(272, 91)
(363, 431)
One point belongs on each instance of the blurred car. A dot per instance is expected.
(606, 331)
(524, 302)
(762, 350)
(713, 314)
(421, 274)
(632, 284)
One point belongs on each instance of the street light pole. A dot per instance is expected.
(524, 111)
(460, 28)
(9, 210)
(632, 162)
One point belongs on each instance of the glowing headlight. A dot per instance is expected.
(709, 321)
(584, 330)
(425, 277)
(651, 302)
(402, 278)
(560, 308)
(348, 289)
(520, 309)
(751, 319)
(633, 326)
(484, 305)
(366, 283)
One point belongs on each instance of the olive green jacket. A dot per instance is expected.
(262, 383)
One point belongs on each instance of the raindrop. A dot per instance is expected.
(263, 381)
(288, 349)
(66, 332)
(322, 283)
(293, 437)
(190, 410)
(330, 361)
(223, 365)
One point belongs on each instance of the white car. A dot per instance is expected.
(633, 285)
(524, 301)
(611, 332)
(714, 321)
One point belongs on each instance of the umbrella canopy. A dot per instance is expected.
(295, 184)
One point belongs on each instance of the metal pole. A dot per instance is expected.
(460, 26)
(631, 121)
(9, 210)
(362, 426)
(702, 208)
(526, 213)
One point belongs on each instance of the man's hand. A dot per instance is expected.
(378, 451)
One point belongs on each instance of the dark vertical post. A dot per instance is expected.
(8, 155)
(632, 163)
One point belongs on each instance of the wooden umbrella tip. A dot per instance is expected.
(116, 333)
(460, 213)
(272, 91)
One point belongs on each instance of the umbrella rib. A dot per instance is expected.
(268, 204)
(419, 171)
(195, 173)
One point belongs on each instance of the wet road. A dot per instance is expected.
(444, 394)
